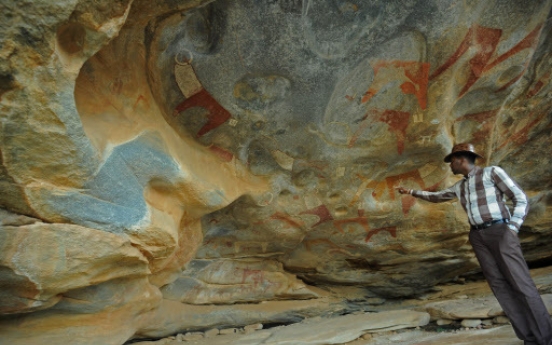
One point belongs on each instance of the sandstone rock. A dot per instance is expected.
(470, 323)
(12, 219)
(355, 293)
(191, 336)
(227, 331)
(366, 336)
(211, 333)
(494, 336)
(173, 317)
(334, 330)
(475, 308)
(347, 328)
(465, 308)
(158, 342)
(40, 262)
(252, 328)
(480, 288)
(233, 281)
(442, 322)
(116, 307)
(487, 322)
(501, 320)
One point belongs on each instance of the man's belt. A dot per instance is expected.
(488, 224)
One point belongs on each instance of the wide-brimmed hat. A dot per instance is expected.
(462, 148)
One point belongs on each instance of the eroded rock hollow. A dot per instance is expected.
(168, 165)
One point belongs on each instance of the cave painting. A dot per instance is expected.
(485, 40)
(544, 80)
(217, 114)
(251, 276)
(197, 96)
(388, 184)
(287, 219)
(321, 212)
(324, 215)
(319, 166)
(486, 119)
(396, 120)
(334, 248)
(521, 136)
(415, 76)
(224, 155)
(392, 230)
(363, 222)
(140, 99)
(414, 73)
(249, 246)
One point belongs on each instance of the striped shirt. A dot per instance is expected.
(481, 194)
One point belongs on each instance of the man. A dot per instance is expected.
(493, 236)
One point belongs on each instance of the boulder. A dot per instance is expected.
(173, 317)
(236, 281)
(318, 331)
(474, 308)
(41, 262)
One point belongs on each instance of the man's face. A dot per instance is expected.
(455, 164)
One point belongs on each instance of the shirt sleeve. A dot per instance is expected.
(441, 196)
(513, 192)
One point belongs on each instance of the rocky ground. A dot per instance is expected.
(461, 313)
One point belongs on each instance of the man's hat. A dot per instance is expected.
(462, 148)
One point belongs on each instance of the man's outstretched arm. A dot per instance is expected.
(441, 196)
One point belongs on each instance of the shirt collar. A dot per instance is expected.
(472, 172)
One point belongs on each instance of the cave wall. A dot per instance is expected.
(163, 165)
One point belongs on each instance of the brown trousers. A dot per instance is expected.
(499, 253)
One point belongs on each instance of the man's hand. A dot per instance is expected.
(403, 190)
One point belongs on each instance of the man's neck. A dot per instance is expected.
(468, 169)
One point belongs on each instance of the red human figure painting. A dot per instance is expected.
(217, 114)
